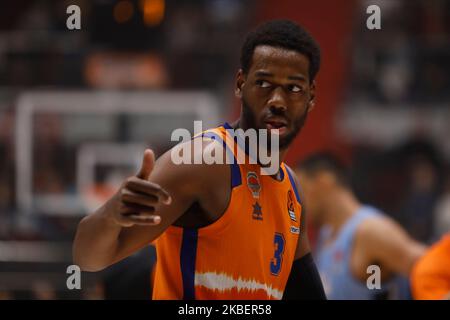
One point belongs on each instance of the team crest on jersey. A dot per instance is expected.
(257, 211)
(253, 184)
(291, 206)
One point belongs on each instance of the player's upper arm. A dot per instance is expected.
(387, 243)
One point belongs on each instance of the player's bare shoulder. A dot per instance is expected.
(376, 227)
(199, 167)
(370, 230)
(197, 158)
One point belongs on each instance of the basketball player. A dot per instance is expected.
(430, 278)
(223, 231)
(351, 236)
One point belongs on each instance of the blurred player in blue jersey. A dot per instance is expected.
(352, 236)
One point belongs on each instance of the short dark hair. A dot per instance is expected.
(325, 161)
(283, 34)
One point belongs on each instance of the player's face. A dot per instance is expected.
(276, 92)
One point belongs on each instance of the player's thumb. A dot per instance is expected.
(148, 162)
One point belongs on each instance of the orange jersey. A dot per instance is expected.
(247, 253)
(430, 277)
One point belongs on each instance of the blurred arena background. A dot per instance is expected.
(78, 107)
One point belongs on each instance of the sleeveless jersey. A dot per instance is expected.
(248, 252)
(333, 261)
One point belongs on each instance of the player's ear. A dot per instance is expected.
(240, 80)
(312, 99)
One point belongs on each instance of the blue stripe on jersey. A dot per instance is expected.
(281, 174)
(235, 171)
(187, 262)
(227, 126)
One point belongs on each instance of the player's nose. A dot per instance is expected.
(277, 101)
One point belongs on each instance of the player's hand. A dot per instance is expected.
(135, 202)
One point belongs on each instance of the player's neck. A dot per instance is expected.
(238, 124)
(341, 205)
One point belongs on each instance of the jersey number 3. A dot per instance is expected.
(277, 260)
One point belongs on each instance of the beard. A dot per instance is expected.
(251, 120)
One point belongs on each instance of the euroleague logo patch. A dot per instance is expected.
(291, 205)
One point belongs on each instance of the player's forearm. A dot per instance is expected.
(406, 260)
(96, 240)
(304, 281)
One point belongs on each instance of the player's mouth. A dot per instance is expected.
(276, 123)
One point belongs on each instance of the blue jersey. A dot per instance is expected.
(333, 261)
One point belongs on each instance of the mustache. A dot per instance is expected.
(276, 112)
(278, 115)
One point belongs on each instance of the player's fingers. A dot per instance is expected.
(130, 196)
(142, 220)
(148, 162)
(149, 188)
(132, 208)
(164, 196)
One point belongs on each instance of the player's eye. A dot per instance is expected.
(295, 89)
(263, 83)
